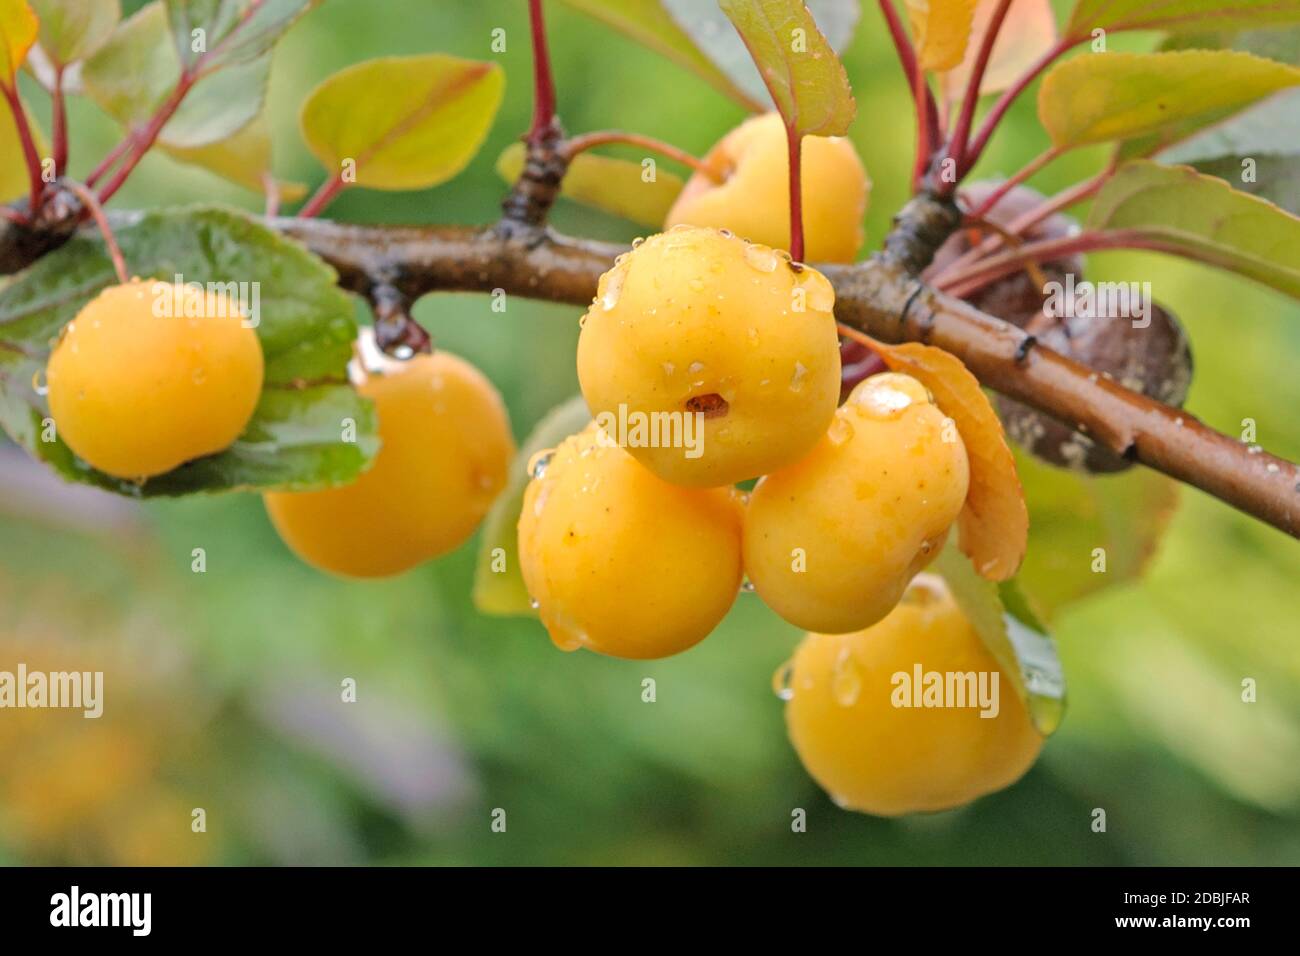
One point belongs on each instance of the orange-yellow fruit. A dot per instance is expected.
(621, 562)
(753, 197)
(832, 540)
(723, 340)
(150, 375)
(446, 448)
(880, 741)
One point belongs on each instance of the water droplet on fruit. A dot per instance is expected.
(611, 287)
(818, 293)
(638, 242)
(924, 590)
(696, 284)
(783, 681)
(534, 603)
(846, 682)
(796, 379)
(695, 368)
(762, 258)
(746, 585)
(39, 385)
(537, 464)
(882, 401)
(841, 430)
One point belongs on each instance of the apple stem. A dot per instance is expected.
(794, 141)
(586, 141)
(97, 212)
(543, 80)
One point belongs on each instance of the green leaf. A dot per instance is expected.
(137, 69)
(603, 182)
(18, 30)
(231, 32)
(502, 593)
(71, 30)
(1013, 634)
(711, 31)
(1183, 212)
(1098, 98)
(1258, 150)
(1180, 16)
(306, 330)
(648, 23)
(801, 71)
(1072, 514)
(406, 122)
(243, 159)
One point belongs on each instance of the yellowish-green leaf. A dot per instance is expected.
(1013, 634)
(18, 30)
(801, 70)
(613, 185)
(1072, 514)
(1100, 98)
(648, 23)
(1181, 16)
(71, 30)
(243, 159)
(1028, 31)
(941, 31)
(1181, 211)
(406, 122)
(498, 584)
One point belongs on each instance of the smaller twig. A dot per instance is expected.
(59, 123)
(1022, 224)
(323, 196)
(543, 80)
(1038, 162)
(972, 154)
(961, 132)
(967, 281)
(794, 143)
(580, 144)
(97, 213)
(30, 154)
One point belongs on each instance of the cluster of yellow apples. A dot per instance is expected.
(709, 359)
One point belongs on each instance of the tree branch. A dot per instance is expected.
(881, 296)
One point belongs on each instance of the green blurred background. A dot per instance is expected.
(229, 690)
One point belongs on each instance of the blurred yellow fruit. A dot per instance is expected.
(150, 375)
(446, 448)
(832, 540)
(727, 340)
(877, 742)
(752, 198)
(621, 562)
